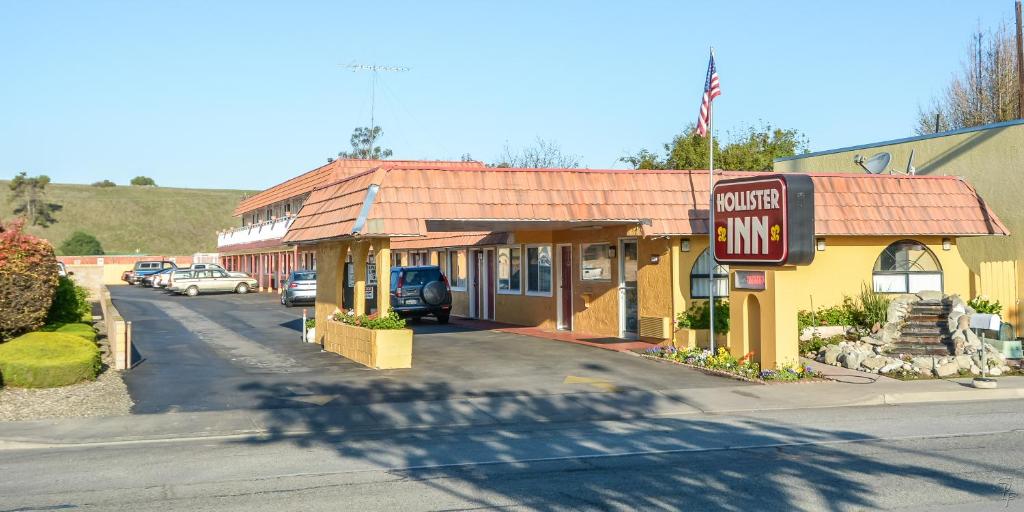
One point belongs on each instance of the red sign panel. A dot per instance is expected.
(764, 220)
(750, 280)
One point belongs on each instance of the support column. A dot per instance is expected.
(359, 252)
(382, 260)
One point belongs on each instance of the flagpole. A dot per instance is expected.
(711, 223)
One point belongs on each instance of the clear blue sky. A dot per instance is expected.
(246, 94)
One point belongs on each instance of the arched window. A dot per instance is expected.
(699, 281)
(906, 267)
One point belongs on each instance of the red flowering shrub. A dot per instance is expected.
(28, 279)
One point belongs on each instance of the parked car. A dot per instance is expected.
(152, 280)
(175, 276)
(299, 287)
(62, 271)
(420, 291)
(145, 268)
(214, 266)
(162, 278)
(208, 281)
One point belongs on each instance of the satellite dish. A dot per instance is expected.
(874, 165)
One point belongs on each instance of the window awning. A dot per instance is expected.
(506, 225)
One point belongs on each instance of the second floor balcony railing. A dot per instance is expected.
(266, 230)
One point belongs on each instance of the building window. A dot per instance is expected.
(287, 208)
(456, 274)
(538, 270)
(595, 262)
(396, 259)
(700, 282)
(906, 267)
(510, 265)
(441, 264)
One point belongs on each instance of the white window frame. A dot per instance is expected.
(526, 274)
(611, 262)
(497, 263)
(453, 278)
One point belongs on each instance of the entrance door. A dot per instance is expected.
(565, 287)
(489, 286)
(628, 319)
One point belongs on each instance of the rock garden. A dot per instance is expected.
(911, 336)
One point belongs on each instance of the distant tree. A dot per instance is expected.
(81, 243)
(363, 143)
(543, 154)
(985, 90)
(143, 181)
(753, 150)
(28, 195)
(104, 184)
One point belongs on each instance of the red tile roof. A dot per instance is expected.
(334, 171)
(675, 202)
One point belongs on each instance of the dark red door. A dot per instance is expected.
(565, 278)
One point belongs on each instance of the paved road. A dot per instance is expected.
(966, 456)
(222, 352)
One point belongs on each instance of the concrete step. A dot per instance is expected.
(922, 338)
(919, 349)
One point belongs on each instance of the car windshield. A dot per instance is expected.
(421, 276)
(304, 276)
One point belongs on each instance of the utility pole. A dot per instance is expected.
(1020, 66)
(374, 70)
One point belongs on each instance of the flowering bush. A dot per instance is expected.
(722, 360)
(28, 279)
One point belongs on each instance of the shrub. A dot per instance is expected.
(143, 181)
(869, 308)
(48, 359)
(85, 331)
(699, 315)
(311, 323)
(817, 342)
(104, 184)
(28, 279)
(833, 315)
(70, 303)
(389, 321)
(81, 243)
(981, 304)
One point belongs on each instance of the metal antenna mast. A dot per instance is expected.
(374, 70)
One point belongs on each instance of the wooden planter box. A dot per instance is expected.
(380, 349)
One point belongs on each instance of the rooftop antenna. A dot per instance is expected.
(874, 165)
(911, 170)
(374, 69)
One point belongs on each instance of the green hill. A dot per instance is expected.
(125, 219)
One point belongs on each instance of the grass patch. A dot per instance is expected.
(48, 359)
(122, 217)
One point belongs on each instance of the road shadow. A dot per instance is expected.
(544, 458)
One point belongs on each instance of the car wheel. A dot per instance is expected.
(192, 291)
(288, 303)
(442, 318)
(242, 288)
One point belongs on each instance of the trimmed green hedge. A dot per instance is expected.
(83, 330)
(48, 359)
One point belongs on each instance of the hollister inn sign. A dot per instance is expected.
(765, 220)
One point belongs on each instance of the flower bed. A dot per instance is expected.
(725, 364)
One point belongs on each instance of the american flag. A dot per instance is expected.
(711, 91)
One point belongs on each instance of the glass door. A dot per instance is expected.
(628, 319)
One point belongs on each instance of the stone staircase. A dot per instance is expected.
(926, 330)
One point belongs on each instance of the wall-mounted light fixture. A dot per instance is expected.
(819, 244)
(611, 251)
(684, 245)
(655, 258)
(947, 244)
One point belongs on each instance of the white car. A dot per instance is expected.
(214, 266)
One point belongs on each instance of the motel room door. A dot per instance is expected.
(482, 284)
(565, 287)
(628, 318)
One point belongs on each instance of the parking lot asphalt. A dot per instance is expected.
(227, 351)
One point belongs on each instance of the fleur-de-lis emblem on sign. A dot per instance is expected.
(721, 233)
(774, 233)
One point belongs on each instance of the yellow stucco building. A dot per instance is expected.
(619, 254)
(990, 158)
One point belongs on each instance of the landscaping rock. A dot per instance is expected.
(872, 340)
(930, 295)
(832, 353)
(947, 369)
(890, 333)
(923, 363)
(972, 340)
(851, 359)
(891, 367)
(964, 362)
(874, 363)
(995, 372)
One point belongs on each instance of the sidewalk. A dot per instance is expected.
(505, 410)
